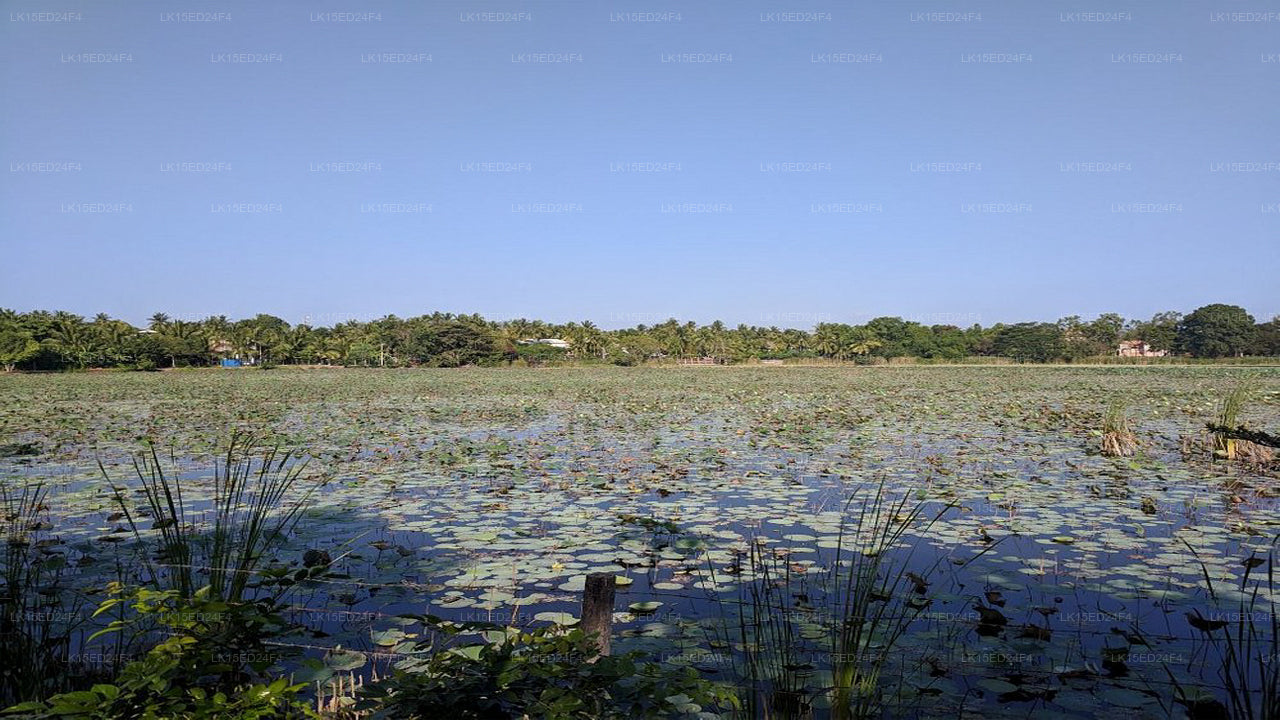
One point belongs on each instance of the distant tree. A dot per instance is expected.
(828, 339)
(451, 342)
(893, 334)
(861, 341)
(1076, 344)
(535, 354)
(950, 341)
(980, 340)
(71, 339)
(1160, 332)
(16, 346)
(158, 322)
(1035, 342)
(1105, 330)
(1216, 330)
(361, 352)
(1266, 338)
(64, 340)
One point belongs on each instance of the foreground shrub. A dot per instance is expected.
(548, 673)
(215, 661)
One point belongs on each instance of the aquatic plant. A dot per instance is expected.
(253, 507)
(35, 627)
(550, 672)
(504, 489)
(1117, 439)
(1227, 442)
(1229, 416)
(863, 604)
(1247, 641)
(215, 659)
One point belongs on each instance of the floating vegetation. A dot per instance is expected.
(19, 449)
(1246, 636)
(491, 495)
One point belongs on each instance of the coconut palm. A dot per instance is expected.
(861, 341)
(158, 322)
(70, 338)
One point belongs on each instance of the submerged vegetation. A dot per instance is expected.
(813, 543)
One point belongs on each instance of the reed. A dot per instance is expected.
(1247, 642)
(858, 608)
(1226, 443)
(35, 626)
(258, 495)
(1118, 439)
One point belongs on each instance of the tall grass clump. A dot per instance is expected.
(257, 497)
(1118, 439)
(35, 627)
(203, 629)
(1226, 444)
(825, 639)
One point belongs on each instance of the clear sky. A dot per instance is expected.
(775, 163)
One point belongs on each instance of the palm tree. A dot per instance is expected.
(158, 322)
(828, 339)
(861, 341)
(183, 338)
(70, 338)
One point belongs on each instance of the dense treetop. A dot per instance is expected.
(43, 340)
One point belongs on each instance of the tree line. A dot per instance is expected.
(42, 340)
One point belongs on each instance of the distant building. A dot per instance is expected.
(553, 342)
(1139, 348)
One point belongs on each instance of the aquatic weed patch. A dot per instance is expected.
(489, 495)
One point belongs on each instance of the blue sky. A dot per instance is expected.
(769, 163)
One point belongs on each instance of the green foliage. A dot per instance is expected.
(547, 673)
(66, 341)
(1216, 331)
(1034, 342)
(1247, 645)
(535, 354)
(213, 662)
(1266, 340)
(1160, 332)
(452, 343)
(840, 341)
(16, 347)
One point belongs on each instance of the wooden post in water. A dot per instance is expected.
(597, 609)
